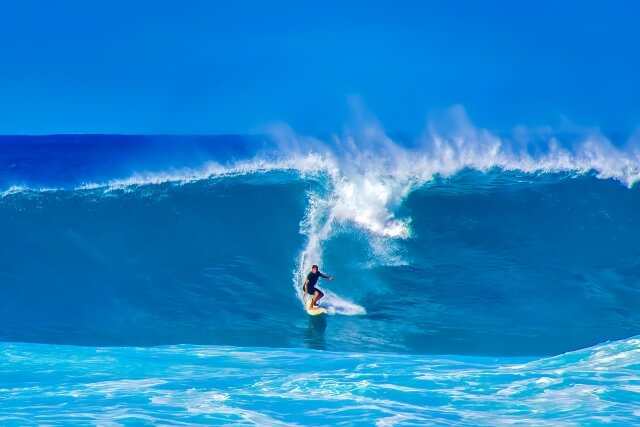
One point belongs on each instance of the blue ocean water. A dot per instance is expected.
(480, 280)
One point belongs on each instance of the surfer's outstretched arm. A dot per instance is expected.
(326, 276)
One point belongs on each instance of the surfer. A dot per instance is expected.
(309, 286)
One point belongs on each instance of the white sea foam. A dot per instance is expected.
(309, 164)
(370, 174)
(317, 226)
(13, 190)
(16, 189)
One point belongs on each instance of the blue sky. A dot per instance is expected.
(233, 67)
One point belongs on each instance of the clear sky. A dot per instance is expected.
(235, 66)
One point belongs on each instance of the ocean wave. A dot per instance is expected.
(384, 217)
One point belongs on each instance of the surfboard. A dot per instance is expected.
(312, 311)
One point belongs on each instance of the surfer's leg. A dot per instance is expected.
(317, 296)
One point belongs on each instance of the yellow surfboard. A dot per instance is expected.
(312, 311)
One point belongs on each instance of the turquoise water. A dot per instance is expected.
(198, 385)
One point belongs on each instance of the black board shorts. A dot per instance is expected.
(312, 290)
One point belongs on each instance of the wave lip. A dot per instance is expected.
(305, 165)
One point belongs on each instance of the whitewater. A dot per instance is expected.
(481, 279)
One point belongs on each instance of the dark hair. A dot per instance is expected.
(314, 266)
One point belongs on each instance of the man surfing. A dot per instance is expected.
(309, 286)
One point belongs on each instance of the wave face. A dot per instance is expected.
(464, 245)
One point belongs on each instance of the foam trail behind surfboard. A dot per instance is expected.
(336, 305)
(317, 226)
